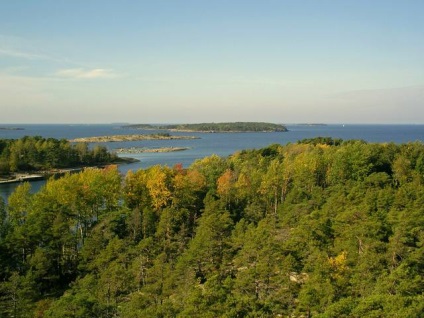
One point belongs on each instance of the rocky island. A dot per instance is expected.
(230, 127)
(136, 150)
(117, 138)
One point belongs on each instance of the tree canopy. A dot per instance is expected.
(321, 228)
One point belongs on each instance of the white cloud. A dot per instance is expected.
(80, 73)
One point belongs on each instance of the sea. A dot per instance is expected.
(221, 144)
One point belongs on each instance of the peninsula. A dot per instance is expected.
(34, 157)
(230, 127)
(117, 138)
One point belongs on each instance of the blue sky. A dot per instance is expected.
(199, 61)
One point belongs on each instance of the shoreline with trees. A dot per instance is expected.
(42, 175)
(225, 127)
(33, 158)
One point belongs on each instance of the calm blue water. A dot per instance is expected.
(222, 144)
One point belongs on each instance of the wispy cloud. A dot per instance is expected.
(32, 56)
(80, 73)
(24, 55)
(25, 49)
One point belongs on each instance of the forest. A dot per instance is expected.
(319, 228)
(35, 153)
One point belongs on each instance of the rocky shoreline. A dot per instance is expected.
(21, 177)
(119, 138)
(40, 175)
(136, 150)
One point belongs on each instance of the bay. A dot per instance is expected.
(222, 144)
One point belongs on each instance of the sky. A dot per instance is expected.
(188, 61)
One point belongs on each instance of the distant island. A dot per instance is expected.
(117, 138)
(216, 127)
(311, 124)
(11, 128)
(136, 150)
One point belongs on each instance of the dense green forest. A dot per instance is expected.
(321, 228)
(217, 127)
(37, 153)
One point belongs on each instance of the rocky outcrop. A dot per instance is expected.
(135, 150)
(117, 138)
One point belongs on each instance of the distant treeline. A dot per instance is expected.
(32, 153)
(217, 127)
(324, 229)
